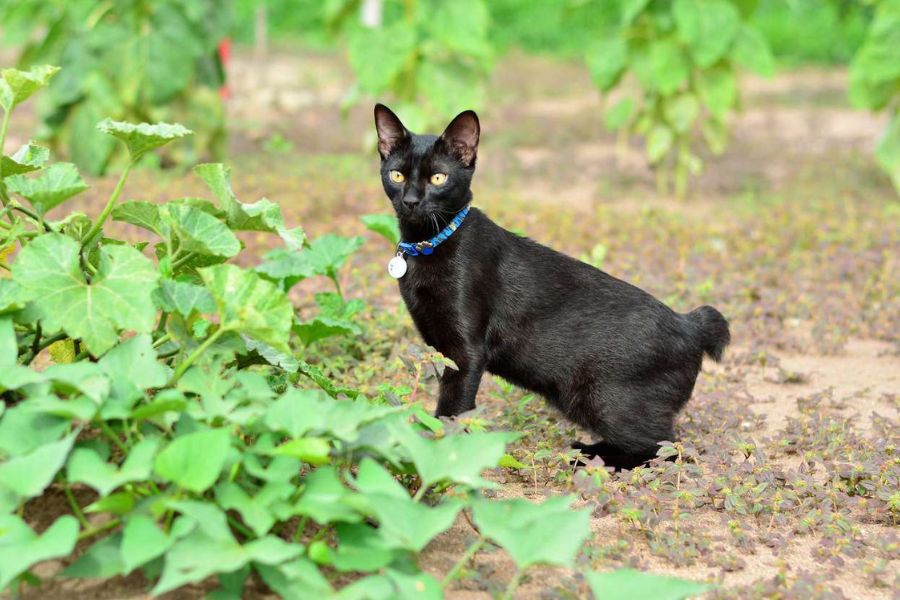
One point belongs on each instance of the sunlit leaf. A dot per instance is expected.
(194, 461)
(29, 157)
(56, 184)
(17, 86)
(384, 225)
(21, 548)
(141, 138)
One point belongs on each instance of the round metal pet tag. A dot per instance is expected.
(397, 267)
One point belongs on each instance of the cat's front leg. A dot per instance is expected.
(458, 388)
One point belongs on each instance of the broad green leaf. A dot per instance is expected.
(378, 55)
(662, 67)
(619, 114)
(249, 304)
(132, 367)
(101, 561)
(25, 428)
(629, 584)
(718, 90)
(17, 86)
(21, 548)
(681, 112)
(319, 328)
(143, 540)
(295, 579)
(312, 450)
(631, 9)
(29, 157)
(707, 26)
(118, 297)
(199, 232)
(183, 297)
(606, 60)
(29, 475)
(460, 26)
(287, 266)
(384, 225)
(659, 141)
(87, 466)
(302, 412)
(393, 585)
(197, 556)
(326, 500)
(375, 479)
(751, 51)
(194, 461)
(329, 252)
(263, 215)
(140, 213)
(550, 533)
(361, 548)
(55, 184)
(255, 511)
(143, 137)
(12, 297)
(456, 458)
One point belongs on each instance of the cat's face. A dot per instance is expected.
(427, 177)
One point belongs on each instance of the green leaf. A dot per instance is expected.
(102, 560)
(325, 499)
(250, 304)
(21, 548)
(313, 450)
(659, 141)
(384, 225)
(460, 26)
(631, 9)
(456, 458)
(56, 184)
(888, 151)
(9, 349)
(143, 541)
(628, 584)
(718, 90)
(378, 55)
(707, 26)
(681, 112)
(302, 412)
(606, 60)
(132, 367)
(263, 215)
(118, 297)
(256, 512)
(24, 428)
(199, 232)
(550, 533)
(751, 51)
(88, 467)
(29, 157)
(715, 132)
(319, 328)
(508, 461)
(17, 86)
(144, 137)
(140, 213)
(183, 297)
(295, 579)
(619, 114)
(662, 67)
(194, 461)
(29, 475)
(328, 253)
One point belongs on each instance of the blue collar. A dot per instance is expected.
(427, 247)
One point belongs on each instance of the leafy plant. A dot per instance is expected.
(433, 57)
(683, 57)
(127, 60)
(875, 81)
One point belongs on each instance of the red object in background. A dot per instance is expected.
(224, 56)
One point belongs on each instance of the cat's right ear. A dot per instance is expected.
(391, 132)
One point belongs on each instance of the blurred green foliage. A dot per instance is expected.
(875, 81)
(136, 60)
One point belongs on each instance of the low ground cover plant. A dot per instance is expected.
(172, 399)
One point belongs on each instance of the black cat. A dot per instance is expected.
(611, 357)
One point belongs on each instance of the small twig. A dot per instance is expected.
(76, 510)
(89, 533)
(470, 553)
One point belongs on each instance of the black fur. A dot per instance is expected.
(611, 357)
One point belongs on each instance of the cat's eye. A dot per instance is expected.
(397, 177)
(438, 179)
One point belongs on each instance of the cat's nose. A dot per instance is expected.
(411, 200)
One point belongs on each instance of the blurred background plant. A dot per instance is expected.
(669, 71)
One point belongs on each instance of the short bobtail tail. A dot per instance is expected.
(712, 329)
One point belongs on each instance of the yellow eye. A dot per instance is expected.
(438, 179)
(397, 177)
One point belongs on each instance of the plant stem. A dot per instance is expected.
(162, 341)
(91, 532)
(195, 355)
(76, 510)
(513, 584)
(188, 256)
(420, 493)
(104, 426)
(470, 552)
(98, 224)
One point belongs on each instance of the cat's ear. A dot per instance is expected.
(391, 132)
(461, 137)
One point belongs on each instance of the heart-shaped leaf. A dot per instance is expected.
(456, 458)
(301, 412)
(194, 461)
(326, 500)
(87, 466)
(29, 474)
(21, 548)
(183, 297)
(249, 304)
(118, 297)
(628, 584)
(101, 561)
(256, 511)
(296, 579)
(29, 157)
(56, 184)
(550, 533)
(17, 86)
(141, 138)
(385, 226)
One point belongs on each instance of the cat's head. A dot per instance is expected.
(427, 177)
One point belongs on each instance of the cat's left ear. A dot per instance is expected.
(461, 137)
(391, 131)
